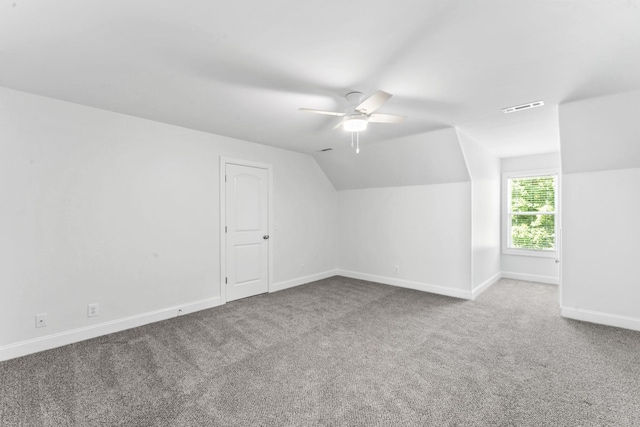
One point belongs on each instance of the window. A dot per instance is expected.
(532, 224)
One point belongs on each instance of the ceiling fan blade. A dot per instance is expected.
(338, 125)
(373, 102)
(386, 118)
(328, 113)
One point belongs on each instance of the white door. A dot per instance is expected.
(247, 231)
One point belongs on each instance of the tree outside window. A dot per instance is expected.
(532, 213)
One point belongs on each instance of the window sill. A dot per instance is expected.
(530, 253)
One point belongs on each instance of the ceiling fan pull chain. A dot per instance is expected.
(357, 142)
(352, 139)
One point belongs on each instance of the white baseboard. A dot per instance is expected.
(48, 342)
(608, 319)
(475, 292)
(302, 280)
(531, 277)
(425, 287)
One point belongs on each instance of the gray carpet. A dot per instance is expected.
(341, 352)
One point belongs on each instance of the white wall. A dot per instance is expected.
(99, 207)
(535, 162)
(600, 253)
(443, 235)
(105, 208)
(539, 269)
(600, 140)
(405, 203)
(484, 169)
(424, 230)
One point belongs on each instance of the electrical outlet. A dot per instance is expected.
(302, 267)
(41, 320)
(396, 270)
(92, 310)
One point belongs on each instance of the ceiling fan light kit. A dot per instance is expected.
(355, 122)
(360, 113)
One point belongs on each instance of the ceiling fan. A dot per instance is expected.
(361, 112)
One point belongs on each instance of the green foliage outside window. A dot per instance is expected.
(532, 203)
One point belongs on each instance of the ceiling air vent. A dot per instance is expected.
(523, 107)
(325, 149)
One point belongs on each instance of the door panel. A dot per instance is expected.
(247, 209)
(248, 263)
(247, 252)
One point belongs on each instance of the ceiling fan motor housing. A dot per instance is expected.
(354, 98)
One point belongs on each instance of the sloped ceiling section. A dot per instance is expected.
(242, 69)
(428, 158)
(482, 164)
(600, 133)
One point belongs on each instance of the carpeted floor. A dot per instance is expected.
(341, 352)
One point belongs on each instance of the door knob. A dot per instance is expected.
(557, 261)
(265, 237)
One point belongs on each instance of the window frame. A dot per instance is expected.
(506, 213)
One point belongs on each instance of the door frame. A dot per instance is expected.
(224, 161)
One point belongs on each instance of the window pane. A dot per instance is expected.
(535, 194)
(533, 231)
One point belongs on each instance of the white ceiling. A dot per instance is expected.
(431, 158)
(242, 69)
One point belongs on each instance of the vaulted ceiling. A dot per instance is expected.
(242, 69)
